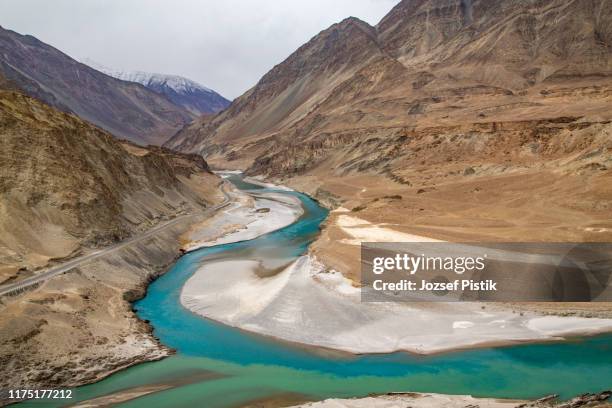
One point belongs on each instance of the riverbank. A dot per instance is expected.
(286, 303)
(78, 327)
(371, 209)
(421, 400)
(416, 400)
(307, 304)
(250, 216)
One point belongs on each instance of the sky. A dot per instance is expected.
(226, 45)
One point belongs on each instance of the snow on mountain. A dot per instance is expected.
(182, 91)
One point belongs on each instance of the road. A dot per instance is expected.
(73, 263)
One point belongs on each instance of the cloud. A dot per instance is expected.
(226, 45)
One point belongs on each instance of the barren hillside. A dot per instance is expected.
(67, 186)
(491, 119)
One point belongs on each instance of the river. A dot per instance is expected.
(219, 366)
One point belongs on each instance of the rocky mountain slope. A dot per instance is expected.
(427, 62)
(67, 186)
(289, 90)
(484, 119)
(194, 97)
(127, 110)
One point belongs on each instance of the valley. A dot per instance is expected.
(465, 124)
(282, 373)
(161, 245)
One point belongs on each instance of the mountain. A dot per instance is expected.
(66, 185)
(467, 110)
(420, 57)
(67, 189)
(127, 110)
(291, 88)
(194, 97)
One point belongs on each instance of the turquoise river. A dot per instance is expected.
(249, 367)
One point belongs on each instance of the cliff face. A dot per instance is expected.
(66, 185)
(126, 109)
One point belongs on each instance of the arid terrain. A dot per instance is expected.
(68, 189)
(67, 185)
(454, 120)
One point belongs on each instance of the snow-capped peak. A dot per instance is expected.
(177, 83)
(179, 90)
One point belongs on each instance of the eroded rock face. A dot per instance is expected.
(520, 35)
(401, 153)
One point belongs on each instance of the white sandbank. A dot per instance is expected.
(305, 304)
(249, 217)
(260, 182)
(257, 180)
(227, 173)
(364, 231)
(415, 400)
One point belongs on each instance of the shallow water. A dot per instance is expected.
(252, 366)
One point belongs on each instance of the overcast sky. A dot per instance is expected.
(226, 45)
